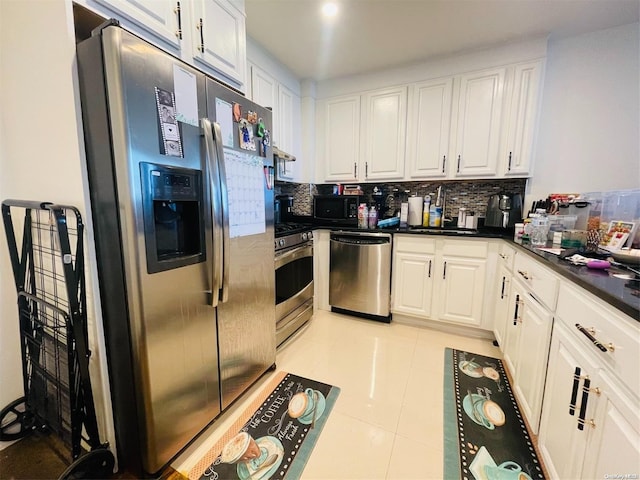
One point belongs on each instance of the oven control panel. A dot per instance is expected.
(292, 240)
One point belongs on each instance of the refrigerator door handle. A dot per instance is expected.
(213, 177)
(224, 194)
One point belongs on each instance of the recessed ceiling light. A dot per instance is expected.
(329, 9)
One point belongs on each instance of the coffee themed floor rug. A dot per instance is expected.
(276, 434)
(485, 434)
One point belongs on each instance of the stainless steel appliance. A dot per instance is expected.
(294, 278)
(183, 222)
(504, 210)
(340, 210)
(360, 274)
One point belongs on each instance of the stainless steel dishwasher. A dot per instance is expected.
(360, 274)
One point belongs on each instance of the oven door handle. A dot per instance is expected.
(293, 255)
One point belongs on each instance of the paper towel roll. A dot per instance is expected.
(415, 211)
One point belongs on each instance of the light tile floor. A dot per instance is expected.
(387, 421)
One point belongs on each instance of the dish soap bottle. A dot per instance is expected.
(373, 217)
(425, 210)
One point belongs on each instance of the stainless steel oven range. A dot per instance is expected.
(294, 278)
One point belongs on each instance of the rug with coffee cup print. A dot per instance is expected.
(274, 437)
(486, 437)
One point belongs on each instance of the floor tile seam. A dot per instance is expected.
(367, 420)
(353, 417)
(424, 444)
(406, 385)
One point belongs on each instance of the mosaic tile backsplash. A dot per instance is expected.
(471, 194)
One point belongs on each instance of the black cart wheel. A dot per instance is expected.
(15, 421)
(97, 464)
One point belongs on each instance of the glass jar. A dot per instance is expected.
(539, 229)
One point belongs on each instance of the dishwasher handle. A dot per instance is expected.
(361, 239)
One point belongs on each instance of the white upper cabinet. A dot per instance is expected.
(288, 136)
(364, 136)
(384, 117)
(267, 91)
(209, 34)
(428, 128)
(161, 20)
(285, 121)
(341, 118)
(480, 105)
(219, 38)
(521, 125)
(264, 91)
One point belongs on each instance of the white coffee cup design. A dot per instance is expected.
(302, 403)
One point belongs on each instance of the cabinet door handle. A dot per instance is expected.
(525, 275)
(583, 404)
(429, 269)
(444, 271)
(366, 169)
(574, 391)
(588, 332)
(509, 167)
(444, 161)
(178, 13)
(458, 163)
(586, 389)
(355, 170)
(504, 279)
(515, 312)
(201, 28)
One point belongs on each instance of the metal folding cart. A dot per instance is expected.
(46, 249)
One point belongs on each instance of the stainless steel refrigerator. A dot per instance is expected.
(180, 174)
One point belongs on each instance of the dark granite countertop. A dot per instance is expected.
(615, 286)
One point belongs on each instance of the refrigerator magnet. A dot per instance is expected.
(237, 112)
(252, 117)
(245, 132)
(166, 110)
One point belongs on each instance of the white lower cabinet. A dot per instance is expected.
(461, 289)
(501, 304)
(528, 334)
(502, 287)
(590, 425)
(531, 359)
(562, 444)
(413, 279)
(512, 329)
(614, 446)
(599, 437)
(441, 279)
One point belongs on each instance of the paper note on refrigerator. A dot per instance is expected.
(245, 184)
(224, 117)
(186, 93)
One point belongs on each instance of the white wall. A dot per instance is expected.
(42, 158)
(588, 138)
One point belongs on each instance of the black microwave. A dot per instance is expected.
(337, 209)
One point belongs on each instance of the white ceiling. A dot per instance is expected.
(369, 35)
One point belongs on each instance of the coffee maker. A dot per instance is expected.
(504, 210)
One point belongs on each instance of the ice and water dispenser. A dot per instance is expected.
(173, 216)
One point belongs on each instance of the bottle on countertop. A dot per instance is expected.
(435, 215)
(425, 210)
(373, 217)
(363, 216)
